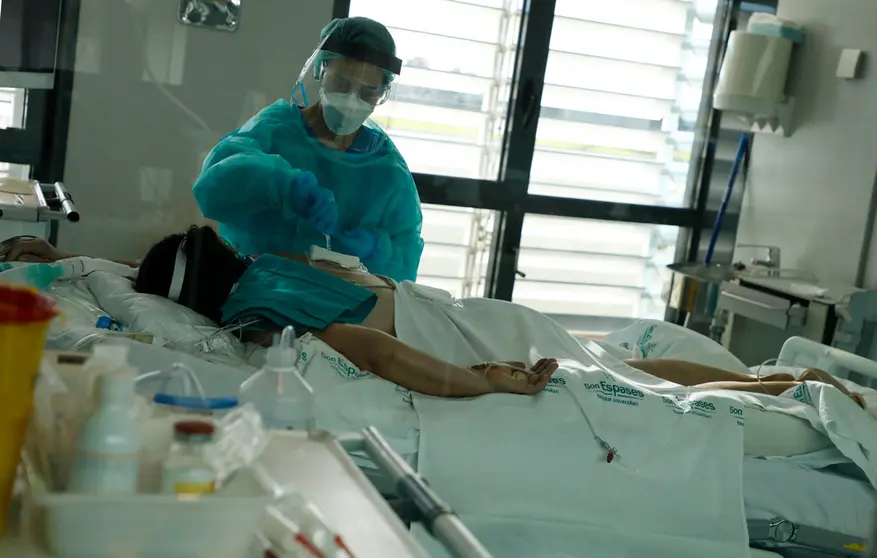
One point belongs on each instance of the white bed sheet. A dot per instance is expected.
(79, 312)
(774, 488)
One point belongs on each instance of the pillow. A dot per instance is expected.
(649, 339)
(171, 323)
(772, 434)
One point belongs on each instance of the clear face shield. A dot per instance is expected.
(349, 79)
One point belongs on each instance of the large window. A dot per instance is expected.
(448, 112)
(11, 107)
(586, 238)
(12, 116)
(447, 116)
(591, 275)
(622, 89)
(457, 249)
(35, 85)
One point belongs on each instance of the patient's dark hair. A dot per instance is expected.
(212, 269)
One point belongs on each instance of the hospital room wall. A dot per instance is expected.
(812, 194)
(135, 146)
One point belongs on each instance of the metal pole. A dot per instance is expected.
(438, 517)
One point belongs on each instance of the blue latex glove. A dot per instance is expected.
(359, 242)
(314, 203)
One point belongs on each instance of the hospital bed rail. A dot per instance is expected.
(789, 538)
(805, 353)
(435, 515)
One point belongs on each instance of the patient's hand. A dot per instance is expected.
(508, 377)
(34, 250)
(817, 375)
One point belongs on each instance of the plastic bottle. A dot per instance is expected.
(278, 390)
(186, 471)
(107, 457)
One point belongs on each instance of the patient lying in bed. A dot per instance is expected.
(199, 270)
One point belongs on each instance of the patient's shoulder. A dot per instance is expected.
(300, 258)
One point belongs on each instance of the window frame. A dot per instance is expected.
(41, 143)
(508, 194)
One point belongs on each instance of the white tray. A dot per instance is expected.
(325, 475)
(321, 469)
(150, 525)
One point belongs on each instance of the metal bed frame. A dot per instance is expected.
(417, 502)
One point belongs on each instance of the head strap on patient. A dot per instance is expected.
(179, 276)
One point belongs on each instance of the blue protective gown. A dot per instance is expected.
(285, 292)
(246, 181)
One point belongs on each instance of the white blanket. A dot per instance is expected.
(852, 431)
(519, 468)
(538, 459)
(348, 399)
(675, 489)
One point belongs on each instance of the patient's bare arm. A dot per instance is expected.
(37, 250)
(393, 360)
(692, 374)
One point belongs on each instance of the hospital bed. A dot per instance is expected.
(790, 511)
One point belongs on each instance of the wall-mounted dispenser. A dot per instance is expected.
(752, 81)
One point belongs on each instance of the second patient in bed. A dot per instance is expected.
(208, 271)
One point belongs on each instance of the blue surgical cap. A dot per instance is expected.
(357, 30)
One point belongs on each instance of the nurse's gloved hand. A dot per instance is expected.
(314, 203)
(324, 213)
(359, 242)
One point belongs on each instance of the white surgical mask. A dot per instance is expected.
(344, 113)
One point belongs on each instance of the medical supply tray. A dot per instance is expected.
(326, 475)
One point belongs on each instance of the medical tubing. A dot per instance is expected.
(742, 147)
(768, 362)
(90, 338)
(188, 374)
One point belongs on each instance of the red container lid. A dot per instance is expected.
(19, 305)
(193, 428)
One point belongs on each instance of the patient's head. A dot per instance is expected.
(197, 269)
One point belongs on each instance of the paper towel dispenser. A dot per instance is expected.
(752, 80)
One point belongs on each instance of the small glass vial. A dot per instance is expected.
(186, 471)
